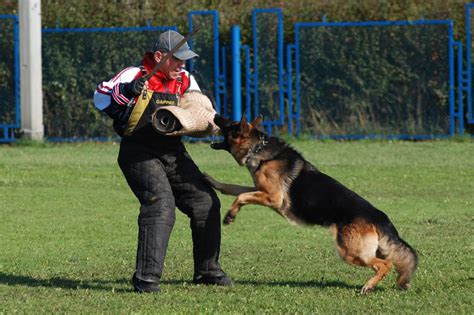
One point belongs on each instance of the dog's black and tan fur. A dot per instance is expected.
(287, 183)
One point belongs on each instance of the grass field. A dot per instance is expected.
(68, 234)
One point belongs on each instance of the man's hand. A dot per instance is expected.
(134, 88)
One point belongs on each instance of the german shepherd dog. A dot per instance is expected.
(299, 192)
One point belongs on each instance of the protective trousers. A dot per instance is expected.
(163, 179)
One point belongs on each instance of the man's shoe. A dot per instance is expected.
(141, 286)
(209, 280)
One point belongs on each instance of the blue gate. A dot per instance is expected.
(10, 74)
(469, 60)
(206, 69)
(395, 79)
(268, 80)
(68, 89)
(392, 79)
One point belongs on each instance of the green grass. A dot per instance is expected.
(68, 234)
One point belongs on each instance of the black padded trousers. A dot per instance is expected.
(162, 179)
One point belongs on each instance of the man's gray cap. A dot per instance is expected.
(168, 40)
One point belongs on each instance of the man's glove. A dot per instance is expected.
(134, 88)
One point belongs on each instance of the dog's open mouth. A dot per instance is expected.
(220, 145)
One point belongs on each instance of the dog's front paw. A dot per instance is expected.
(229, 218)
(366, 289)
(404, 286)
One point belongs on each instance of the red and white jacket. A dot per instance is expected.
(107, 90)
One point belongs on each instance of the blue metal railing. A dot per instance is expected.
(293, 113)
(109, 29)
(128, 43)
(219, 87)
(249, 89)
(222, 83)
(452, 115)
(468, 72)
(7, 129)
(451, 79)
(459, 114)
(236, 74)
(280, 121)
(289, 72)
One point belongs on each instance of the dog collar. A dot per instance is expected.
(261, 145)
(257, 148)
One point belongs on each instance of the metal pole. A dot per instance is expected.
(236, 75)
(31, 93)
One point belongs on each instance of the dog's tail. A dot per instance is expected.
(399, 252)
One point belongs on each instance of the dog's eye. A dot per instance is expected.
(235, 134)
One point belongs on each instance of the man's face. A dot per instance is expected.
(172, 67)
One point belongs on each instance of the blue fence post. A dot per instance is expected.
(451, 79)
(223, 83)
(289, 88)
(470, 114)
(276, 91)
(281, 67)
(236, 74)
(16, 45)
(452, 114)
(297, 78)
(7, 129)
(248, 81)
(460, 88)
(219, 86)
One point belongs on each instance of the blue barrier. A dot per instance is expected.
(10, 117)
(236, 74)
(334, 31)
(293, 113)
(469, 60)
(222, 83)
(274, 74)
(269, 90)
(459, 114)
(205, 47)
(248, 82)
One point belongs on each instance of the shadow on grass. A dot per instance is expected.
(85, 284)
(301, 284)
(58, 282)
(109, 285)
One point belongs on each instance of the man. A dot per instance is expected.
(157, 167)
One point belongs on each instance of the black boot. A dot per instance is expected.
(223, 280)
(141, 286)
(206, 245)
(153, 237)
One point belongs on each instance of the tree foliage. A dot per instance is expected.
(115, 13)
(74, 63)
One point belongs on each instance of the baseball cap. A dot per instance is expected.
(168, 40)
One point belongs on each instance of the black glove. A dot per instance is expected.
(134, 88)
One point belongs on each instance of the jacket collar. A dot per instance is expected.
(148, 62)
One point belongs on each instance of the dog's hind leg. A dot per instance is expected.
(357, 245)
(382, 268)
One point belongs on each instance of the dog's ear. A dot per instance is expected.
(244, 126)
(257, 122)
